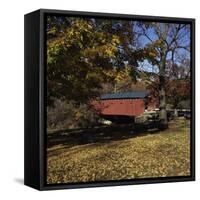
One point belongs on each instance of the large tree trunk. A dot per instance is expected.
(162, 97)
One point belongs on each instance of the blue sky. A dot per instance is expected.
(143, 40)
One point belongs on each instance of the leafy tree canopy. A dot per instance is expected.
(79, 57)
(85, 53)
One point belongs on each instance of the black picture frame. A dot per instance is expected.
(35, 94)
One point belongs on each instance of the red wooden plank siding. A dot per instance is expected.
(128, 107)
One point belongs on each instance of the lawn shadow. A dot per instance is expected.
(104, 134)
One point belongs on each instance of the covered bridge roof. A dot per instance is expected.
(125, 95)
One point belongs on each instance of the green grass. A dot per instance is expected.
(158, 154)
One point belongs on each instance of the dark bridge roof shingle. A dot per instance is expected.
(125, 95)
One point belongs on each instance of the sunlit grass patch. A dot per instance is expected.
(159, 154)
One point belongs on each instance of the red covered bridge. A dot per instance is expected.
(123, 105)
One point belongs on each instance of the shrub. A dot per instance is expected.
(69, 115)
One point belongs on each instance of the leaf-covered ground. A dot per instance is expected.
(158, 154)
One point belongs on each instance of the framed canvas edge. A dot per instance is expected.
(117, 183)
(31, 100)
(42, 106)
